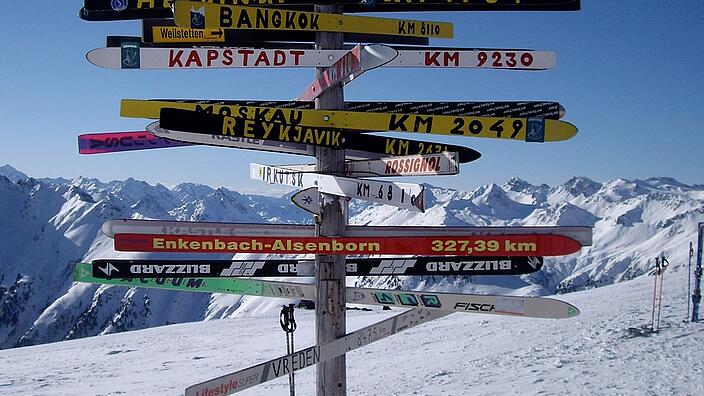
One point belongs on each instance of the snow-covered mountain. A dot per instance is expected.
(606, 350)
(49, 224)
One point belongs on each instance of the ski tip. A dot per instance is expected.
(560, 130)
(572, 311)
(81, 272)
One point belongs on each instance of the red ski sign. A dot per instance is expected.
(495, 245)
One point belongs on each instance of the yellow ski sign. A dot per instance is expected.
(522, 129)
(174, 34)
(198, 15)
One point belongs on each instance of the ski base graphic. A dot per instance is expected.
(533, 307)
(462, 265)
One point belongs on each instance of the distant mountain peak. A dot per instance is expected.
(11, 173)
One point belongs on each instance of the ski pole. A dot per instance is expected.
(288, 324)
(655, 293)
(663, 264)
(689, 280)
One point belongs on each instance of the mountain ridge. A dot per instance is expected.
(58, 223)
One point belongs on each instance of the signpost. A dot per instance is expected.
(333, 131)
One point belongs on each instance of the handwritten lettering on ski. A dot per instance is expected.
(238, 57)
(402, 195)
(197, 15)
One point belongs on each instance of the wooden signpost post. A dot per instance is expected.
(337, 134)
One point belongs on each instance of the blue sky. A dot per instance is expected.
(629, 74)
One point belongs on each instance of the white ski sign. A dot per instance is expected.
(248, 143)
(350, 66)
(263, 372)
(402, 195)
(444, 163)
(583, 235)
(308, 200)
(237, 57)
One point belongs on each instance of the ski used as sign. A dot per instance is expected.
(186, 138)
(517, 129)
(409, 165)
(549, 110)
(110, 142)
(419, 266)
(494, 246)
(350, 66)
(401, 195)
(308, 199)
(533, 307)
(239, 57)
(209, 124)
(583, 235)
(196, 15)
(275, 368)
(113, 10)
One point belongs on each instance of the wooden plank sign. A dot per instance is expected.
(110, 142)
(410, 165)
(517, 129)
(350, 66)
(401, 195)
(495, 245)
(196, 15)
(239, 57)
(422, 266)
(583, 235)
(210, 124)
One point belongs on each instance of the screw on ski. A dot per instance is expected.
(288, 325)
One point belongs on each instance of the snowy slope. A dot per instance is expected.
(605, 350)
(50, 223)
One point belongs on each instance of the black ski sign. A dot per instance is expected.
(112, 10)
(215, 124)
(469, 265)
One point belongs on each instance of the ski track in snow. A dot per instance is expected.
(594, 353)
